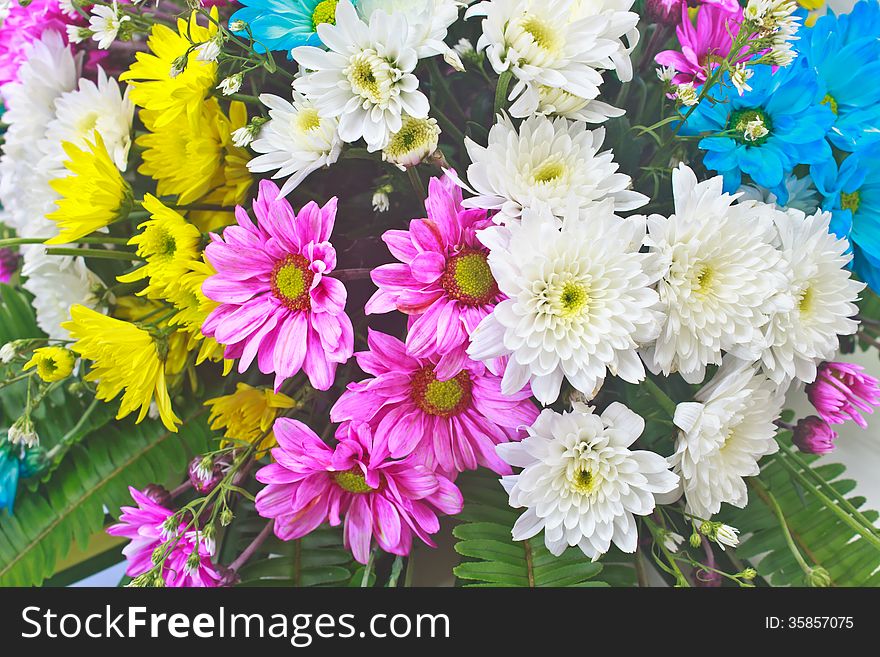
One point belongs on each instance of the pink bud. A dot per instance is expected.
(841, 390)
(814, 435)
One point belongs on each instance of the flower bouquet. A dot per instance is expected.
(293, 291)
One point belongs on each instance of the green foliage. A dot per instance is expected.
(16, 316)
(95, 473)
(493, 558)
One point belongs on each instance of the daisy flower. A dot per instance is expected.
(278, 303)
(577, 306)
(723, 435)
(721, 279)
(356, 484)
(553, 162)
(822, 295)
(125, 359)
(295, 142)
(427, 20)
(105, 23)
(416, 140)
(248, 414)
(555, 102)
(366, 79)
(282, 25)
(52, 363)
(580, 481)
(443, 280)
(451, 424)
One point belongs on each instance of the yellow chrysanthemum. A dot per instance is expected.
(52, 363)
(139, 310)
(92, 197)
(125, 359)
(155, 88)
(168, 243)
(248, 413)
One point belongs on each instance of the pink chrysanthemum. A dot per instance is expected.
(22, 26)
(387, 499)
(148, 527)
(841, 390)
(702, 47)
(450, 425)
(444, 283)
(277, 303)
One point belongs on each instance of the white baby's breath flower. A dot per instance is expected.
(243, 136)
(22, 432)
(687, 94)
(209, 51)
(178, 66)
(416, 140)
(296, 141)
(740, 77)
(581, 483)
(237, 26)
(672, 541)
(665, 74)
(723, 435)
(365, 79)
(8, 352)
(380, 201)
(553, 162)
(105, 23)
(231, 84)
(727, 535)
(577, 306)
(78, 34)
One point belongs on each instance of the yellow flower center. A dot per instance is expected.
(805, 300)
(441, 398)
(370, 77)
(469, 279)
(542, 34)
(308, 120)
(87, 123)
(582, 480)
(325, 12)
(574, 298)
(158, 242)
(548, 171)
(414, 134)
(292, 281)
(703, 280)
(829, 100)
(850, 201)
(352, 480)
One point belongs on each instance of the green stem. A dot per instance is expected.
(501, 91)
(95, 253)
(244, 98)
(15, 241)
(365, 580)
(442, 85)
(416, 181)
(657, 535)
(662, 398)
(66, 442)
(780, 516)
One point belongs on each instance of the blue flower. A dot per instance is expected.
(845, 53)
(9, 472)
(284, 24)
(766, 132)
(852, 194)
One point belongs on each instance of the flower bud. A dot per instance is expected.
(748, 574)
(819, 577)
(416, 140)
(204, 474)
(813, 435)
(664, 12)
(159, 494)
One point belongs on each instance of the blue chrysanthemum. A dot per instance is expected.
(9, 473)
(845, 52)
(852, 194)
(284, 24)
(766, 132)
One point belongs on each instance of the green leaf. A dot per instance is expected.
(17, 319)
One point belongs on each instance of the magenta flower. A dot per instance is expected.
(444, 283)
(841, 390)
(814, 435)
(24, 25)
(148, 527)
(702, 47)
(8, 264)
(450, 425)
(356, 480)
(277, 303)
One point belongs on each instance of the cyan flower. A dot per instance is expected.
(766, 132)
(284, 24)
(16, 463)
(845, 53)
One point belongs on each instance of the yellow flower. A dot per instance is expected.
(168, 242)
(125, 359)
(52, 363)
(94, 196)
(248, 413)
(155, 88)
(139, 310)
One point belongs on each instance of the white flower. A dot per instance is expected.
(231, 84)
(727, 535)
(366, 78)
(91, 108)
(209, 51)
(687, 94)
(672, 540)
(724, 433)
(802, 194)
(721, 276)
(178, 66)
(77, 34)
(581, 483)
(105, 23)
(8, 352)
(556, 162)
(296, 141)
(245, 135)
(237, 26)
(665, 74)
(416, 140)
(381, 202)
(426, 20)
(740, 76)
(822, 298)
(558, 102)
(577, 305)
(22, 432)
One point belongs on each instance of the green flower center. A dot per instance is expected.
(414, 135)
(469, 279)
(352, 480)
(703, 280)
(158, 242)
(850, 201)
(805, 300)
(548, 171)
(750, 126)
(574, 298)
(441, 398)
(583, 481)
(47, 367)
(325, 12)
(829, 100)
(292, 282)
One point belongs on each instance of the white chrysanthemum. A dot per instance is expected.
(581, 483)
(416, 140)
(366, 77)
(105, 23)
(558, 102)
(296, 141)
(823, 295)
(722, 276)
(577, 305)
(101, 108)
(57, 283)
(723, 436)
(555, 162)
(802, 194)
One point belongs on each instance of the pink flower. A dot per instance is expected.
(22, 26)
(450, 425)
(842, 388)
(444, 283)
(149, 528)
(814, 435)
(8, 264)
(378, 497)
(702, 47)
(277, 303)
